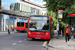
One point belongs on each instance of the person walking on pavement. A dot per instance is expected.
(60, 29)
(8, 31)
(63, 31)
(67, 32)
(12, 28)
(70, 32)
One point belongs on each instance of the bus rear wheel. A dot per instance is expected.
(74, 36)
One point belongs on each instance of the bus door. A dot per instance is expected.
(51, 29)
(26, 26)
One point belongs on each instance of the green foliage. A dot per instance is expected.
(54, 17)
(68, 6)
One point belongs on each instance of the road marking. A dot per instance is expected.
(14, 44)
(7, 37)
(20, 41)
(24, 39)
(44, 43)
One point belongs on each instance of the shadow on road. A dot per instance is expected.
(37, 40)
(20, 32)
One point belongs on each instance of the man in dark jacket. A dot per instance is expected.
(8, 31)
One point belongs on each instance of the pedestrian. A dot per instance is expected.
(73, 31)
(72, 28)
(12, 28)
(67, 32)
(63, 31)
(8, 31)
(70, 35)
(60, 29)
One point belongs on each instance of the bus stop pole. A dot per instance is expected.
(58, 29)
(70, 20)
(57, 26)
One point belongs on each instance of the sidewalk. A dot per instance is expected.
(6, 32)
(59, 44)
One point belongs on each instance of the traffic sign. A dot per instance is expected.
(60, 15)
(59, 11)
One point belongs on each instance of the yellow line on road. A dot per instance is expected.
(44, 43)
(14, 44)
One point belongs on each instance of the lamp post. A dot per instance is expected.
(57, 17)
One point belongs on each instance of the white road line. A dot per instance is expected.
(14, 44)
(20, 41)
(7, 37)
(24, 39)
(44, 43)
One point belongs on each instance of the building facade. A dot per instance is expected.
(27, 6)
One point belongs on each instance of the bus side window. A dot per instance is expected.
(46, 26)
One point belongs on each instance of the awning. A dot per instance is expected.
(71, 15)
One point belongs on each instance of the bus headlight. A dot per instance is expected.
(47, 33)
(29, 33)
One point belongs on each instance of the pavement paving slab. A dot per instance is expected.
(60, 44)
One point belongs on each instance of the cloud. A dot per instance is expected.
(41, 0)
(4, 4)
(17, 1)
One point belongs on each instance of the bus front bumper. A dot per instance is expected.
(39, 37)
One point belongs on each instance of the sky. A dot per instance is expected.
(6, 3)
(38, 1)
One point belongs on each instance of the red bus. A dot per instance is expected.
(21, 26)
(40, 27)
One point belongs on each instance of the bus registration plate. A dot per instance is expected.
(37, 38)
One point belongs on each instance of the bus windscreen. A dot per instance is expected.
(20, 24)
(39, 23)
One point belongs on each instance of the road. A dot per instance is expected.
(19, 41)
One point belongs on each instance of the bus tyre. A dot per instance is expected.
(74, 36)
(33, 39)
